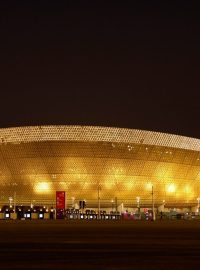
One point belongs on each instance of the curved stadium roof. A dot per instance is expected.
(95, 133)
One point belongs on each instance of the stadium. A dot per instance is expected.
(122, 169)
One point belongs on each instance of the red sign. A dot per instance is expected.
(60, 199)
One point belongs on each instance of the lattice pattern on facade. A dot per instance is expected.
(91, 133)
(37, 161)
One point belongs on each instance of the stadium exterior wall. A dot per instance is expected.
(123, 163)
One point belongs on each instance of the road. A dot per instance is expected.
(99, 245)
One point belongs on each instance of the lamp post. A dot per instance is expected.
(73, 202)
(138, 203)
(10, 201)
(198, 199)
(14, 201)
(154, 218)
(112, 204)
(163, 202)
(116, 205)
(99, 202)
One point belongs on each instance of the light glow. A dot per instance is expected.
(188, 189)
(171, 188)
(42, 187)
(149, 186)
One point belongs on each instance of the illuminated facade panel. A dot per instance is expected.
(35, 162)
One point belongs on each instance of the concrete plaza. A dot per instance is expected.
(45, 244)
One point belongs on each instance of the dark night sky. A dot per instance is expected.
(101, 64)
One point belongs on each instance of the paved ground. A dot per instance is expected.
(99, 245)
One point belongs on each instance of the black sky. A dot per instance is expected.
(110, 64)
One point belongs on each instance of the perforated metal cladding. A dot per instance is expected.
(94, 134)
(35, 170)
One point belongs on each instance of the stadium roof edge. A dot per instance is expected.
(96, 133)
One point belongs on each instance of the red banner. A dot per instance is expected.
(60, 199)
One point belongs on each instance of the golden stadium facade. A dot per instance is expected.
(35, 162)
